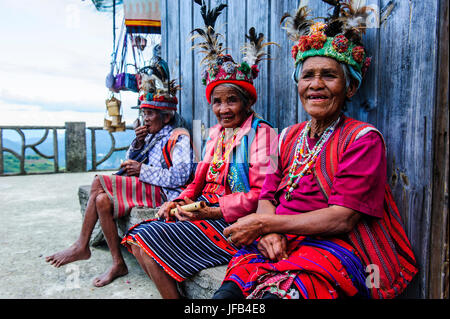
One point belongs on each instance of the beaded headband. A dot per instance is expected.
(338, 37)
(221, 68)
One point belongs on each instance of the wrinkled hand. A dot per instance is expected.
(164, 210)
(245, 230)
(273, 246)
(141, 134)
(202, 213)
(132, 168)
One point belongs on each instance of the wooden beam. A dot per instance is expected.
(438, 272)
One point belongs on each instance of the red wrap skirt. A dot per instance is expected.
(127, 192)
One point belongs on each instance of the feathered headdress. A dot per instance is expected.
(254, 50)
(338, 37)
(156, 89)
(211, 46)
(298, 24)
(220, 67)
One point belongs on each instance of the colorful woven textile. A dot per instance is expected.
(182, 248)
(126, 192)
(317, 268)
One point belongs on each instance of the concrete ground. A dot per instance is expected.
(40, 215)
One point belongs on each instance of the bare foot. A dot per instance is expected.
(114, 272)
(71, 254)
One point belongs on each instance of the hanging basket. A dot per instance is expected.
(116, 120)
(121, 127)
(107, 124)
(113, 106)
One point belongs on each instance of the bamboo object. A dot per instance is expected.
(189, 207)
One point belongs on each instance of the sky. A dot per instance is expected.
(54, 58)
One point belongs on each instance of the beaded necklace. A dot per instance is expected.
(306, 157)
(221, 154)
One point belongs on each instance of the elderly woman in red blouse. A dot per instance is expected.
(326, 216)
(229, 179)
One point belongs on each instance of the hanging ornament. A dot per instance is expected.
(113, 108)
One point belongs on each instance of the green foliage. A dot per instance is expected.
(33, 164)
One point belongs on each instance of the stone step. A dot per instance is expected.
(201, 286)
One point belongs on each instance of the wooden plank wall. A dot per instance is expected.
(398, 95)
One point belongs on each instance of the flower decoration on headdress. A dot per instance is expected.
(366, 65)
(304, 44)
(317, 40)
(340, 43)
(338, 37)
(358, 53)
(317, 27)
(221, 67)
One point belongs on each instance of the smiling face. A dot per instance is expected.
(228, 107)
(322, 88)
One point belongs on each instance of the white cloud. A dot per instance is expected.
(26, 115)
(54, 59)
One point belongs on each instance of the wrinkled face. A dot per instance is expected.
(153, 120)
(228, 107)
(321, 87)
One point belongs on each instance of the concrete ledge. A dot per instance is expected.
(201, 286)
(204, 284)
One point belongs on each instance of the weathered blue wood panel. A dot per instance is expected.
(398, 95)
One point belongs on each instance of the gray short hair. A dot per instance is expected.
(176, 120)
(242, 94)
(169, 113)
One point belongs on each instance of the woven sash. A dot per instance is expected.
(379, 241)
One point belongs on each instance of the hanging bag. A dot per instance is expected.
(110, 78)
(125, 81)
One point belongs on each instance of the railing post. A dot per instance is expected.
(1, 152)
(75, 142)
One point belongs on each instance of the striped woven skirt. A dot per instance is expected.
(315, 269)
(182, 248)
(127, 192)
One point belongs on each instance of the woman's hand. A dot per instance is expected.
(202, 213)
(164, 210)
(141, 134)
(273, 246)
(246, 229)
(132, 168)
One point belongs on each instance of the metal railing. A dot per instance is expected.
(75, 147)
(112, 149)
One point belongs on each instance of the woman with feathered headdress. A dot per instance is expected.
(326, 215)
(228, 179)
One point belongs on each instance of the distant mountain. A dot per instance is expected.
(103, 145)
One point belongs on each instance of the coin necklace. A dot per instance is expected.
(306, 157)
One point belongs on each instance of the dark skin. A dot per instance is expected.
(100, 207)
(322, 90)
